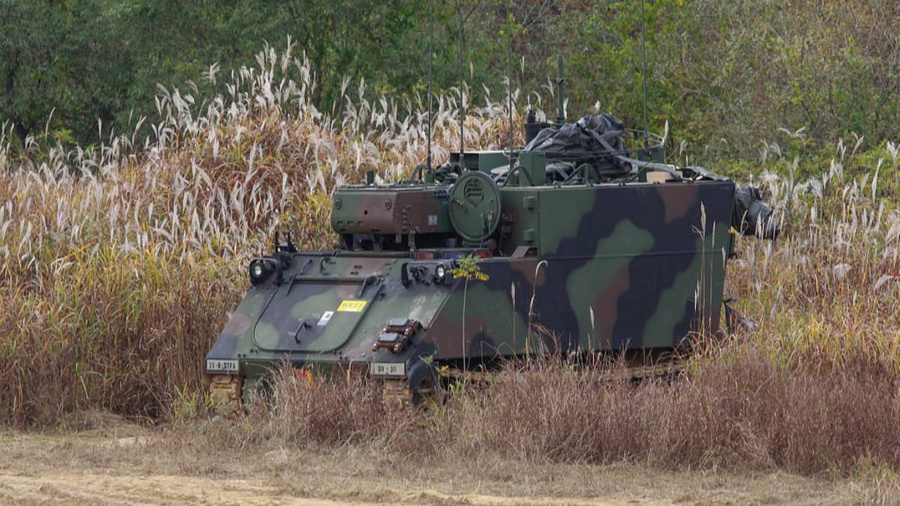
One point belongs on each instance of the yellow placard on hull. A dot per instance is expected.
(353, 306)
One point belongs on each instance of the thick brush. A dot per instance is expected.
(735, 409)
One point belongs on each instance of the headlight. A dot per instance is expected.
(440, 272)
(258, 271)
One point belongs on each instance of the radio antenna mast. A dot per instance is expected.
(462, 102)
(644, 71)
(430, 73)
(560, 92)
(509, 73)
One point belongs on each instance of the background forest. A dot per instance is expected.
(724, 73)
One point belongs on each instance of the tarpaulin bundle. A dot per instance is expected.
(595, 139)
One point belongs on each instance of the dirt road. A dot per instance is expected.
(138, 466)
(87, 488)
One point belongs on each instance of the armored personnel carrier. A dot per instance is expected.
(583, 240)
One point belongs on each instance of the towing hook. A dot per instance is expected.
(423, 379)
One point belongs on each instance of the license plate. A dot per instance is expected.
(386, 369)
(226, 366)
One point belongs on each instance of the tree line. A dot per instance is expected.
(725, 74)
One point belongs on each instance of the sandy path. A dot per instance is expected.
(140, 466)
(78, 488)
(75, 488)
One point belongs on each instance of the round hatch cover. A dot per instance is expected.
(475, 206)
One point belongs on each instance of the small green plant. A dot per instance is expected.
(187, 405)
(467, 269)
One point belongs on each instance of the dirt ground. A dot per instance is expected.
(125, 464)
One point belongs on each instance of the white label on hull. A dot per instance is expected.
(324, 319)
(388, 369)
(226, 366)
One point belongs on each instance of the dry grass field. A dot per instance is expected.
(112, 462)
(119, 264)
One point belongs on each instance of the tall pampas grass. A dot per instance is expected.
(119, 264)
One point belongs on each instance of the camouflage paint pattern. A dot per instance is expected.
(390, 210)
(599, 266)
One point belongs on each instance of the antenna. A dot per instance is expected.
(560, 92)
(644, 71)
(430, 72)
(509, 76)
(462, 102)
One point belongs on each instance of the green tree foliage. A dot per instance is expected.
(725, 74)
(91, 60)
(59, 57)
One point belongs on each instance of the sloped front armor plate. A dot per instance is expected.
(296, 318)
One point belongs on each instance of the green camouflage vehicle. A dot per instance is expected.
(585, 241)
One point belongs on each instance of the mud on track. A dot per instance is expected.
(125, 464)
